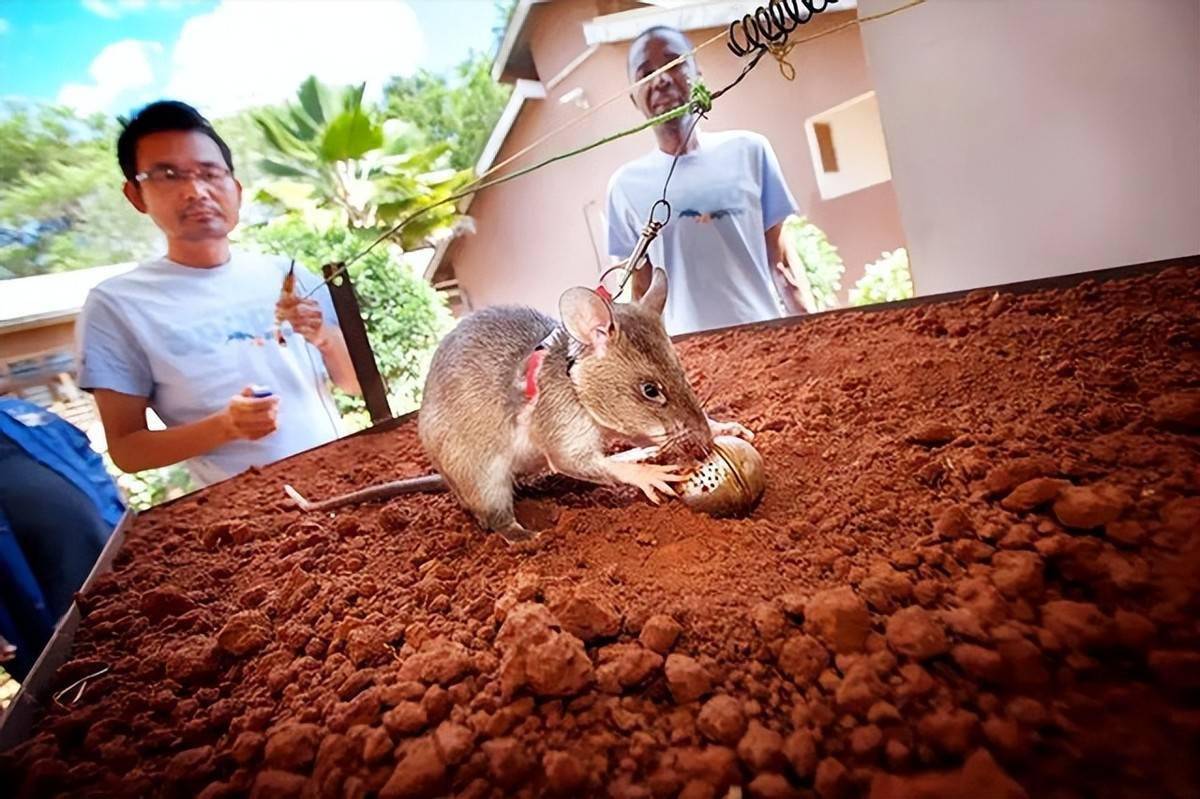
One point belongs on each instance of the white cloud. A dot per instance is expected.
(5, 27)
(112, 9)
(102, 8)
(119, 67)
(247, 52)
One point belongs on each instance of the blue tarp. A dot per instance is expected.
(58, 506)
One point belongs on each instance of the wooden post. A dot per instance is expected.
(345, 302)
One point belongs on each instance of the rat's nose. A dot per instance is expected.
(694, 444)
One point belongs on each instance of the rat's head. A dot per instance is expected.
(628, 375)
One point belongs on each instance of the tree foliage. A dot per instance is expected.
(823, 266)
(336, 162)
(460, 109)
(404, 316)
(886, 280)
(61, 206)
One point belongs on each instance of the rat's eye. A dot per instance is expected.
(653, 392)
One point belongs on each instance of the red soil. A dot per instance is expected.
(974, 573)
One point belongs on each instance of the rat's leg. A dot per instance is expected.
(622, 467)
(487, 492)
(636, 455)
(646, 476)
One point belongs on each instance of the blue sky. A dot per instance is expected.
(113, 55)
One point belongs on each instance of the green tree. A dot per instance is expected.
(61, 206)
(336, 163)
(343, 176)
(404, 315)
(886, 280)
(460, 109)
(808, 245)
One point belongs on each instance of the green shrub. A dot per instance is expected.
(404, 315)
(808, 245)
(886, 280)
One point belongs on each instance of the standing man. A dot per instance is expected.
(721, 248)
(190, 334)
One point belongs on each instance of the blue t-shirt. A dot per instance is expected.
(190, 339)
(724, 196)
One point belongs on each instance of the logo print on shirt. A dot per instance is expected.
(239, 335)
(708, 217)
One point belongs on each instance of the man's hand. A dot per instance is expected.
(306, 319)
(250, 417)
(7, 650)
(304, 316)
(796, 299)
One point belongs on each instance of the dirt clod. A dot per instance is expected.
(245, 632)
(1088, 507)
(721, 720)
(687, 679)
(839, 618)
(916, 633)
(659, 633)
(1033, 493)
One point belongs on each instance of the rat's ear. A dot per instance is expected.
(587, 317)
(655, 297)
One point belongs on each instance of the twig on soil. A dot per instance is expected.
(82, 684)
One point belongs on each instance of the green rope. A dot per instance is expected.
(700, 102)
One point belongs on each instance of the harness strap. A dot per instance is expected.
(533, 365)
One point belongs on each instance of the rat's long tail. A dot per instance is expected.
(411, 485)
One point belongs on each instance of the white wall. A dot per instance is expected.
(1036, 137)
(858, 144)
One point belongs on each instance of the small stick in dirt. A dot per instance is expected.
(81, 684)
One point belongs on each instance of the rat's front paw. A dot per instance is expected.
(649, 477)
(729, 429)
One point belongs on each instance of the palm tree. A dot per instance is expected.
(336, 164)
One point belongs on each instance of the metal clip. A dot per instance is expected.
(640, 250)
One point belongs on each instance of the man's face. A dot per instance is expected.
(672, 88)
(189, 192)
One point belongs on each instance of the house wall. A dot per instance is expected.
(16, 344)
(1028, 139)
(537, 235)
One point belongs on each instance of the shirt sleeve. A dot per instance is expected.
(110, 356)
(621, 235)
(777, 200)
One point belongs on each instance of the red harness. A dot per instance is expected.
(533, 365)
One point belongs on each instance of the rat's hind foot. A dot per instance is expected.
(515, 533)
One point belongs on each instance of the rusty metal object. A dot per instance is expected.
(349, 317)
(730, 482)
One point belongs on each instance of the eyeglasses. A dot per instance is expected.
(169, 176)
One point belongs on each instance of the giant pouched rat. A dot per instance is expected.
(512, 392)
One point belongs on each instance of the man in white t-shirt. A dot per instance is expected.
(191, 334)
(721, 249)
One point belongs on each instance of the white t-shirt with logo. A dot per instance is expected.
(189, 339)
(724, 196)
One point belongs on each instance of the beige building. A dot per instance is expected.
(38, 356)
(541, 233)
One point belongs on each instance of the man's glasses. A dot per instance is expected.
(170, 176)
